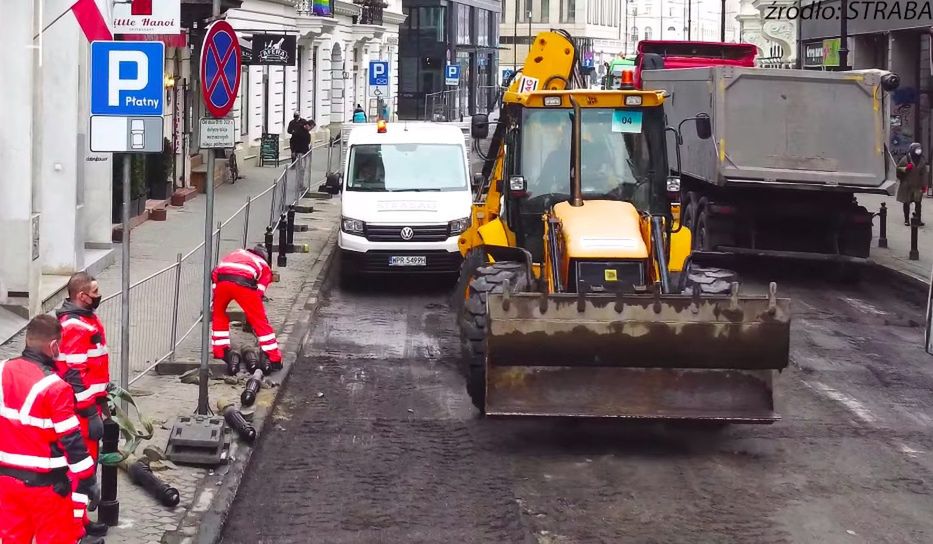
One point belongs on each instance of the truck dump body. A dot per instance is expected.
(791, 128)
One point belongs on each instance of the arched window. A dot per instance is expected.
(647, 32)
(671, 29)
(634, 33)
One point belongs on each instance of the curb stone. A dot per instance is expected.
(204, 521)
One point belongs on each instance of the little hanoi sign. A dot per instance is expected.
(147, 17)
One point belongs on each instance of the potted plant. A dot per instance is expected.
(158, 170)
(138, 190)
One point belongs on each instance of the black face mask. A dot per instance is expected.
(95, 302)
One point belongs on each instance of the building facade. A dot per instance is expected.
(441, 32)
(55, 194)
(336, 41)
(766, 24)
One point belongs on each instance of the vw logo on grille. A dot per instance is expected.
(407, 233)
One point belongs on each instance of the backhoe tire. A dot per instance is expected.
(474, 259)
(709, 280)
(491, 278)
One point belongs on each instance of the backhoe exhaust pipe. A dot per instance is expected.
(576, 189)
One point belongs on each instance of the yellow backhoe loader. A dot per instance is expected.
(579, 295)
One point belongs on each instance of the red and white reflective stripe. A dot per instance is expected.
(34, 392)
(220, 334)
(256, 260)
(245, 268)
(73, 359)
(221, 342)
(80, 498)
(82, 465)
(261, 287)
(78, 514)
(67, 425)
(32, 461)
(74, 322)
(16, 415)
(99, 351)
(270, 347)
(266, 338)
(93, 389)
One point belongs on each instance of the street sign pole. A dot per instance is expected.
(216, 54)
(125, 280)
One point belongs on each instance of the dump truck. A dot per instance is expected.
(789, 151)
(579, 295)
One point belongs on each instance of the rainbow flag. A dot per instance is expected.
(322, 8)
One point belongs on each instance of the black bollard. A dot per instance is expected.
(252, 389)
(283, 241)
(291, 225)
(883, 226)
(234, 360)
(268, 243)
(251, 358)
(108, 511)
(914, 254)
(236, 420)
(142, 476)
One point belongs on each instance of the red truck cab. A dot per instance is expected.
(664, 54)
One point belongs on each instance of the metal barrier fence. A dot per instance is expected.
(157, 330)
(454, 104)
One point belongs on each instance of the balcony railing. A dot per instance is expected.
(370, 12)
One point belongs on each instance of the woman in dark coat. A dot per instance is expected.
(911, 174)
(301, 140)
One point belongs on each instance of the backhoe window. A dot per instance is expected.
(614, 157)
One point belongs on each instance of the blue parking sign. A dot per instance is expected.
(378, 73)
(452, 74)
(126, 78)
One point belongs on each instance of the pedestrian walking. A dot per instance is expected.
(911, 173)
(42, 450)
(243, 276)
(84, 364)
(300, 142)
(359, 116)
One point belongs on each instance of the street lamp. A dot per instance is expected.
(722, 22)
(844, 36)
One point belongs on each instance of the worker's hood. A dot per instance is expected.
(409, 208)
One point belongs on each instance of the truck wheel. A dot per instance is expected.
(701, 238)
(709, 280)
(472, 318)
(690, 210)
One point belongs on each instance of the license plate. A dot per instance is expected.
(408, 261)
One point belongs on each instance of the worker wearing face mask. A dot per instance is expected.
(84, 364)
(911, 173)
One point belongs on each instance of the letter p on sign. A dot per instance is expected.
(118, 83)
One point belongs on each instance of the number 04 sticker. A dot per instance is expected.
(626, 121)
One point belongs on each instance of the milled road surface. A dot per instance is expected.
(392, 451)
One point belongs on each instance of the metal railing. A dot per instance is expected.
(454, 104)
(158, 329)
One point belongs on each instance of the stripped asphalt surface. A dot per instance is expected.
(375, 439)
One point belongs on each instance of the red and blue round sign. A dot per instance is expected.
(220, 68)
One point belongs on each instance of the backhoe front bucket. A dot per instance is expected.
(636, 356)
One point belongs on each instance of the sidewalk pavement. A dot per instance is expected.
(897, 252)
(154, 246)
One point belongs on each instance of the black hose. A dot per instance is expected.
(657, 239)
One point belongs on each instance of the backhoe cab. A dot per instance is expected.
(578, 293)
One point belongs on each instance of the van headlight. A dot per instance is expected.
(458, 226)
(352, 226)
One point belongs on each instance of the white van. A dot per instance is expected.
(406, 198)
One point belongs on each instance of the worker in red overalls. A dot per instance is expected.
(243, 276)
(85, 365)
(42, 450)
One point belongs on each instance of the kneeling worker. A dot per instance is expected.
(243, 276)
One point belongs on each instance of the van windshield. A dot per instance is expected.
(406, 167)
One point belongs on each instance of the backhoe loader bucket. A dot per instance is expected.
(636, 356)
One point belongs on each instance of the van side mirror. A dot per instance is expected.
(479, 126)
(477, 181)
(704, 126)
